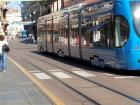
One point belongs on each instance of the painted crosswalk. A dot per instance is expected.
(83, 73)
(55, 70)
(107, 74)
(124, 77)
(42, 76)
(35, 71)
(61, 75)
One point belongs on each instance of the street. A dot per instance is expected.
(75, 83)
(69, 52)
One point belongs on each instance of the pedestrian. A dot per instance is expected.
(4, 49)
(31, 38)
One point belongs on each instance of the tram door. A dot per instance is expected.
(121, 36)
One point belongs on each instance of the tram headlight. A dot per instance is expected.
(137, 13)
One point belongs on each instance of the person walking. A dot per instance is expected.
(4, 48)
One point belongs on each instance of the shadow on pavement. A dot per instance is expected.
(86, 65)
(26, 41)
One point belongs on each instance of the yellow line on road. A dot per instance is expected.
(39, 84)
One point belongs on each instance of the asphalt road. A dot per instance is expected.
(76, 83)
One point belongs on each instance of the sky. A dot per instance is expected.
(15, 5)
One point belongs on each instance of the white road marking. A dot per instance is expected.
(55, 70)
(61, 75)
(83, 73)
(124, 77)
(76, 69)
(42, 76)
(35, 71)
(107, 74)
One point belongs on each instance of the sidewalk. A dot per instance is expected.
(16, 89)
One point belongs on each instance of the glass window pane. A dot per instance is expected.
(121, 31)
(135, 6)
(97, 32)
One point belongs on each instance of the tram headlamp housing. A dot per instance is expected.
(135, 9)
(137, 13)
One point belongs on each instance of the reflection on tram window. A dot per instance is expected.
(55, 30)
(74, 37)
(41, 32)
(97, 30)
(60, 30)
(49, 31)
(121, 31)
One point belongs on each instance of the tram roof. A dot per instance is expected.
(73, 9)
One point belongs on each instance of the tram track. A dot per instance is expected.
(68, 86)
(91, 81)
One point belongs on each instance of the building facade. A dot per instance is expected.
(3, 21)
(15, 21)
(60, 4)
(31, 11)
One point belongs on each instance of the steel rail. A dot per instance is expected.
(92, 81)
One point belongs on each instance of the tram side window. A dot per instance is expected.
(56, 32)
(55, 36)
(39, 35)
(121, 31)
(97, 32)
(74, 37)
(87, 36)
(49, 31)
(103, 29)
(63, 37)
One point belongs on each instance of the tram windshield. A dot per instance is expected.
(135, 6)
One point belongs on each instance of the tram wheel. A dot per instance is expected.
(92, 62)
(102, 64)
(41, 49)
(60, 53)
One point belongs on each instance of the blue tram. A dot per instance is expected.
(103, 32)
